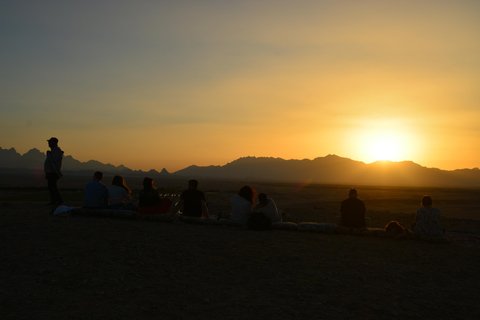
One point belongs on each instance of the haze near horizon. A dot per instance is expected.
(170, 84)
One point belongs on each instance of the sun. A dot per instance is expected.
(385, 148)
(375, 145)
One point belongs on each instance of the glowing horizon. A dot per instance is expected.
(172, 84)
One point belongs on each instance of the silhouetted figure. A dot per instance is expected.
(267, 206)
(242, 204)
(53, 170)
(428, 219)
(353, 211)
(119, 195)
(149, 201)
(95, 193)
(396, 229)
(193, 201)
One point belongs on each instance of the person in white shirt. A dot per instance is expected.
(268, 208)
(119, 195)
(242, 204)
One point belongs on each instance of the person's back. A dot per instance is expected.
(428, 219)
(192, 202)
(242, 204)
(118, 195)
(353, 211)
(149, 201)
(268, 207)
(95, 193)
(148, 198)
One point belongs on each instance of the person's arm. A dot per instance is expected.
(126, 196)
(178, 206)
(105, 197)
(205, 209)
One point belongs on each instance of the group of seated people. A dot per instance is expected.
(243, 209)
(427, 218)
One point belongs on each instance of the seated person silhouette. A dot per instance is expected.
(119, 195)
(95, 193)
(353, 212)
(267, 206)
(428, 219)
(242, 204)
(193, 201)
(149, 201)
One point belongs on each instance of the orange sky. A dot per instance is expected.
(171, 84)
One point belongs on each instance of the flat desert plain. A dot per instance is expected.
(84, 267)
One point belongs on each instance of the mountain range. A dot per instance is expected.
(330, 169)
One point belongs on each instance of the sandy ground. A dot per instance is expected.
(83, 267)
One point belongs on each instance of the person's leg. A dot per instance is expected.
(131, 207)
(118, 206)
(55, 197)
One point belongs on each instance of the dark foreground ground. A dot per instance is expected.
(83, 267)
(79, 267)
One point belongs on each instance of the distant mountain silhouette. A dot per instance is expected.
(33, 159)
(333, 169)
(330, 169)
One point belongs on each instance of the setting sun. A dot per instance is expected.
(385, 148)
(384, 140)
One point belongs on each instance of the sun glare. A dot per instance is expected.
(382, 145)
(383, 148)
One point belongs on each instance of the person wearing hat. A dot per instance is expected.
(53, 170)
(353, 211)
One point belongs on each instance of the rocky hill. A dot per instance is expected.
(330, 169)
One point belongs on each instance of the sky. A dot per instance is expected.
(169, 84)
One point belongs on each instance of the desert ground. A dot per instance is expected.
(84, 267)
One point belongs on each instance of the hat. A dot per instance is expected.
(53, 139)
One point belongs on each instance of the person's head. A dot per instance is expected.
(427, 201)
(352, 193)
(248, 193)
(394, 227)
(262, 198)
(98, 176)
(119, 181)
(148, 183)
(52, 142)
(192, 184)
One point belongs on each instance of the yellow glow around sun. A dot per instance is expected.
(384, 144)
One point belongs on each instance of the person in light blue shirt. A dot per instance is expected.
(96, 193)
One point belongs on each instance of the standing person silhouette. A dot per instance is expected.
(53, 170)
